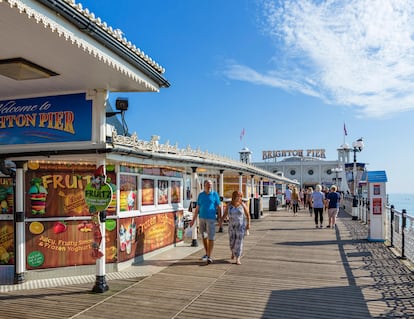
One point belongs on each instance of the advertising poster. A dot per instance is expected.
(162, 192)
(231, 184)
(175, 192)
(377, 206)
(63, 118)
(377, 189)
(52, 244)
(6, 195)
(58, 190)
(128, 192)
(6, 242)
(147, 191)
(143, 234)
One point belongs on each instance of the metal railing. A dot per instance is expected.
(399, 231)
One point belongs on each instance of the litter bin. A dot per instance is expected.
(256, 212)
(272, 203)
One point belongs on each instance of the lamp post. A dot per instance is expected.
(357, 146)
(337, 170)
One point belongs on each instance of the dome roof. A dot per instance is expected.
(344, 146)
(244, 150)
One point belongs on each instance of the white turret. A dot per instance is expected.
(245, 155)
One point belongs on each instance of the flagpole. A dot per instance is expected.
(345, 133)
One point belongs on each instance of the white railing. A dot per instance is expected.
(399, 227)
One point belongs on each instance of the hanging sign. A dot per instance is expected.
(98, 196)
(98, 193)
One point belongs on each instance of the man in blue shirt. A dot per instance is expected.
(334, 199)
(208, 205)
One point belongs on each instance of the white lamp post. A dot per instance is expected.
(357, 146)
(337, 170)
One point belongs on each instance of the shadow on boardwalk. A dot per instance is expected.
(289, 269)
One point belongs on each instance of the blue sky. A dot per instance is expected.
(290, 73)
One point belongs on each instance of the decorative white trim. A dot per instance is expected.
(172, 151)
(68, 35)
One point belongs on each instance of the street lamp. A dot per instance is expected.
(358, 145)
(337, 170)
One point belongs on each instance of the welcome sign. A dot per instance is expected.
(50, 119)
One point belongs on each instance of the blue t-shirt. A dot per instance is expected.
(318, 199)
(334, 199)
(207, 204)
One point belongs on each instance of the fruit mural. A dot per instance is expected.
(58, 190)
(51, 244)
(38, 196)
(6, 243)
(6, 195)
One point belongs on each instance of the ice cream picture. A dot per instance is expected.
(38, 196)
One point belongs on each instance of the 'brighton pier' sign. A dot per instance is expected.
(319, 153)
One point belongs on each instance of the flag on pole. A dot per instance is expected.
(345, 131)
(242, 134)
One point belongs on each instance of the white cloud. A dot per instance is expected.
(351, 52)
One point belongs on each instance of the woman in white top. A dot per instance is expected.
(318, 198)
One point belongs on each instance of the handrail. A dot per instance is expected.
(399, 226)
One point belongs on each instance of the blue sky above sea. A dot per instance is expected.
(290, 73)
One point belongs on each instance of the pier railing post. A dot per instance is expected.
(403, 226)
(392, 226)
(355, 208)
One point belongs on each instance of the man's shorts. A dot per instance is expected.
(207, 228)
(333, 212)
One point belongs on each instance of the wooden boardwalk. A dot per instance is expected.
(289, 270)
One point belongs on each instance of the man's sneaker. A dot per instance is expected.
(204, 258)
(321, 226)
(209, 260)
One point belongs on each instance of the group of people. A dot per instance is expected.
(316, 201)
(238, 215)
(208, 209)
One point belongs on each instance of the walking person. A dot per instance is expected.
(208, 205)
(288, 197)
(302, 194)
(318, 198)
(309, 201)
(239, 223)
(333, 198)
(295, 201)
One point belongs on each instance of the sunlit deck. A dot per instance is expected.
(289, 270)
